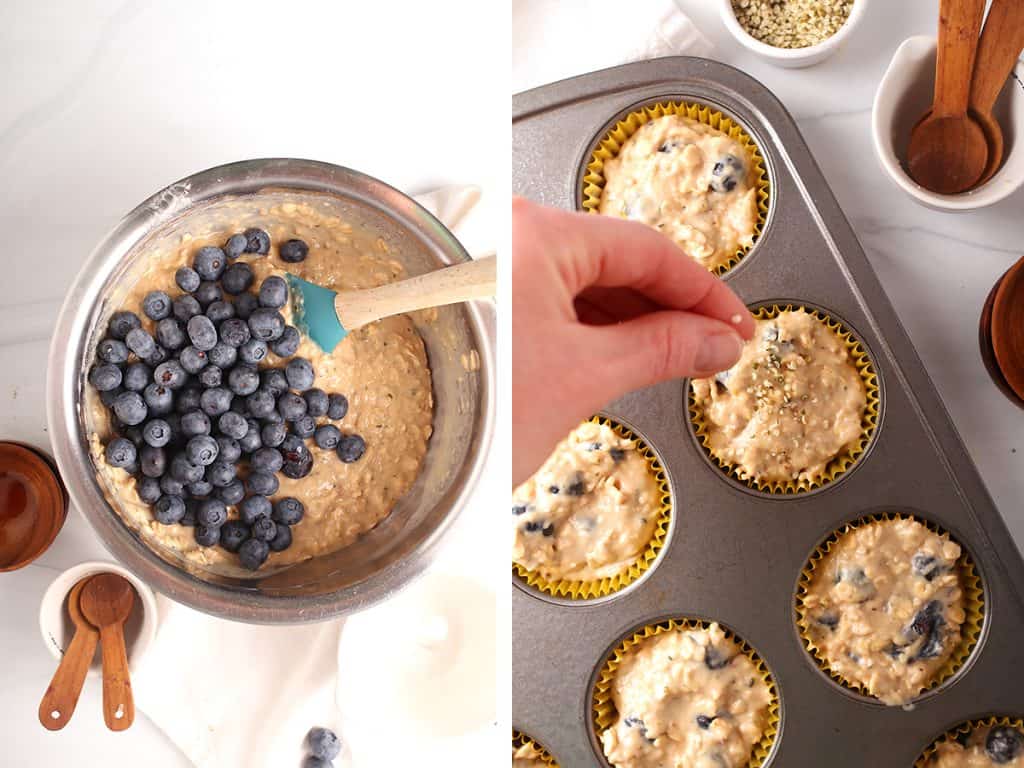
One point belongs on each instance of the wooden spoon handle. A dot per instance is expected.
(61, 697)
(118, 704)
(469, 280)
(959, 24)
(1000, 45)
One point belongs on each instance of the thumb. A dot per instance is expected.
(657, 347)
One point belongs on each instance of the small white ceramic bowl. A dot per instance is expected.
(905, 94)
(792, 58)
(57, 629)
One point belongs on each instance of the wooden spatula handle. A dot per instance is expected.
(998, 49)
(959, 24)
(61, 697)
(118, 704)
(469, 280)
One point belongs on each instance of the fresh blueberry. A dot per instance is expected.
(257, 241)
(156, 356)
(260, 403)
(159, 400)
(928, 623)
(238, 278)
(130, 408)
(254, 507)
(212, 513)
(136, 377)
(193, 360)
(156, 305)
(282, 540)
(189, 520)
(170, 333)
(704, 722)
(202, 450)
(221, 473)
(253, 553)
(311, 761)
(926, 566)
(264, 529)
(187, 279)
(245, 305)
(140, 342)
(304, 427)
(233, 534)
(207, 537)
(229, 450)
(337, 407)
(121, 323)
(829, 620)
(291, 406)
(232, 493)
(243, 379)
(202, 332)
(121, 453)
(208, 294)
(148, 489)
(327, 436)
(108, 396)
(211, 376)
(253, 351)
(298, 461)
(234, 332)
(199, 489)
(252, 441)
(171, 486)
(215, 401)
(266, 324)
(266, 459)
(222, 355)
(188, 399)
(194, 423)
(186, 307)
(232, 425)
(235, 246)
(288, 511)
(323, 743)
(219, 311)
(317, 402)
(293, 251)
(272, 434)
(726, 173)
(262, 483)
(287, 344)
(184, 470)
(299, 373)
(209, 262)
(112, 351)
(157, 433)
(105, 377)
(714, 659)
(273, 292)
(170, 375)
(134, 434)
(169, 509)
(351, 448)
(274, 381)
(1004, 744)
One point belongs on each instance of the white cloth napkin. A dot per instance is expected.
(556, 39)
(233, 695)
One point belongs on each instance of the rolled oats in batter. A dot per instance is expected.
(792, 403)
(527, 756)
(982, 748)
(687, 697)
(689, 181)
(589, 511)
(885, 607)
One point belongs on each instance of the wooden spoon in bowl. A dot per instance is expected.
(107, 602)
(948, 150)
(61, 697)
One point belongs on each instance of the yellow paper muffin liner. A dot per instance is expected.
(611, 144)
(839, 464)
(590, 590)
(603, 707)
(970, 584)
(522, 740)
(963, 729)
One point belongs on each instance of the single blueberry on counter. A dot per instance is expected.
(187, 279)
(351, 448)
(219, 311)
(238, 278)
(323, 743)
(105, 377)
(192, 359)
(262, 483)
(257, 241)
(304, 427)
(171, 333)
(207, 537)
(112, 351)
(156, 305)
(140, 342)
(232, 535)
(327, 437)
(215, 401)
(293, 251)
(130, 407)
(235, 246)
(299, 373)
(245, 305)
(287, 344)
(121, 323)
(209, 262)
(186, 307)
(1004, 744)
(253, 553)
(169, 509)
(212, 513)
(232, 493)
(282, 540)
(120, 453)
(288, 511)
(195, 422)
(264, 529)
(253, 351)
(273, 292)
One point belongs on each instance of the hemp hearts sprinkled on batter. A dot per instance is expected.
(792, 23)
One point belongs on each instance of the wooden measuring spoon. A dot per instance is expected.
(948, 150)
(59, 701)
(106, 602)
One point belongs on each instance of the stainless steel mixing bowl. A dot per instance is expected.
(459, 345)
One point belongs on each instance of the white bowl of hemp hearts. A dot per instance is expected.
(792, 33)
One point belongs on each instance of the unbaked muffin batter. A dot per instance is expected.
(885, 607)
(689, 181)
(589, 511)
(527, 756)
(686, 698)
(985, 747)
(381, 368)
(792, 403)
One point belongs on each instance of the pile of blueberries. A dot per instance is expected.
(199, 424)
(324, 745)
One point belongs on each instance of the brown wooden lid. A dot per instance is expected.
(33, 505)
(1008, 327)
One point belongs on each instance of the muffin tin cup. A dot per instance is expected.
(522, 740)
(963, 729)
(614, 137)
(970, 630)
(841, 463)
(575, 590)
(603, 712)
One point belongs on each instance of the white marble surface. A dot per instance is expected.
(102, 102)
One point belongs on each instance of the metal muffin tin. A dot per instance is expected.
(734, 555)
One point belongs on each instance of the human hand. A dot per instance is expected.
(600, 307)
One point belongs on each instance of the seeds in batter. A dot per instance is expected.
(982, 747)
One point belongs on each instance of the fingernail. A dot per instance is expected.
(718, 352)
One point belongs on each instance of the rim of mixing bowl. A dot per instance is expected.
(64, 407)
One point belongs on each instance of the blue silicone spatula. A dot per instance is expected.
(327, 316)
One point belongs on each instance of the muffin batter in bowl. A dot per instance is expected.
(885, 606)
(381, 368)
(792, 403)
(687, 697)
(589, 511)
(689, 181)
(983, 747)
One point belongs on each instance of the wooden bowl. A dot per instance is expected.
(1007, 327)
(33, 505)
